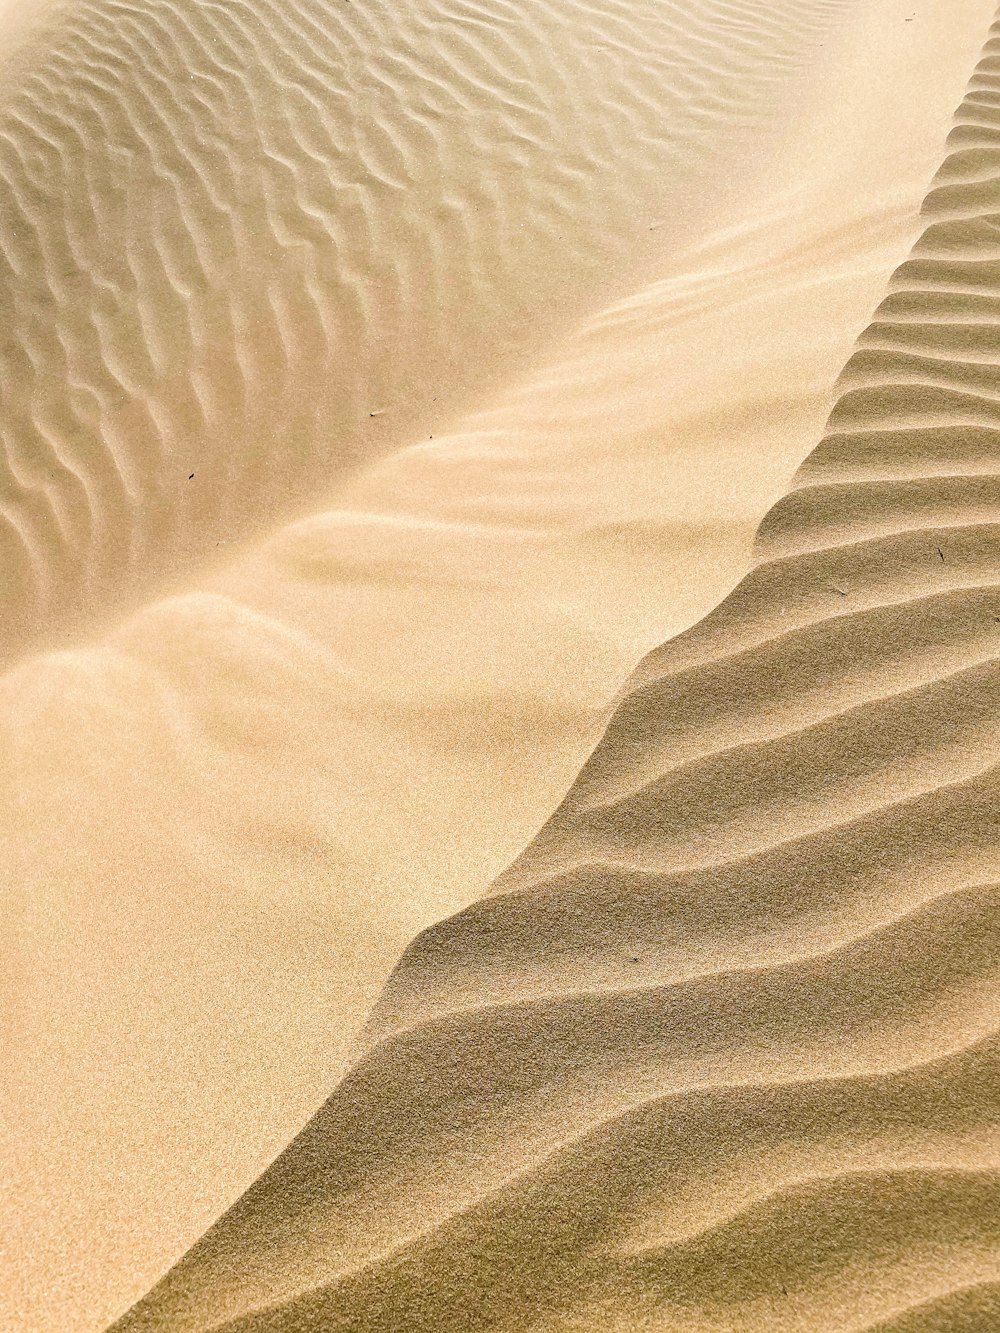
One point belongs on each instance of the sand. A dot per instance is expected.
(718, 1051)
(380, 386)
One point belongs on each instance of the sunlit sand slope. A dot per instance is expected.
(245, 245)
(720, 1051)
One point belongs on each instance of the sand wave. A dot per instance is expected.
(719, 1050)
(244, 247)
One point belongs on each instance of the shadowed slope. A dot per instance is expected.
(719, 1052)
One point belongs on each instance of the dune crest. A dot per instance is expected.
(719, 1051)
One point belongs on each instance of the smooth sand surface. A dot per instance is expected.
(718, 1051)
(378, 386)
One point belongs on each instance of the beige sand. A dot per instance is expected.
(247, 245)
(295, 721)
(719, 1051)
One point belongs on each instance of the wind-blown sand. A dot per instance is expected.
(247, 244)
(285, 733)
(718, 1051)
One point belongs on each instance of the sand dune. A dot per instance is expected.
(718, 1051)
(226, 814)
(245, 247)
(208, 271)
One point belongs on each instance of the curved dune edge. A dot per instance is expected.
(719, 1051)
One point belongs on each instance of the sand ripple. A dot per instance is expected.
(720, 1050)
(245, 245)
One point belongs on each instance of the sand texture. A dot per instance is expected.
(307, 310)
(718, 1051)
(246, 245)
(379, 383)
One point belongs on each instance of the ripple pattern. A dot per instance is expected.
(246, 245)
(719, 1052)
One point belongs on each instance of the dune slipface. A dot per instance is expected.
(719, 1051)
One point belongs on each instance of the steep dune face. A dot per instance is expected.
(719, 1051)
(245, 246)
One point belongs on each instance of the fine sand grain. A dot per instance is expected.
(718, 1052)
